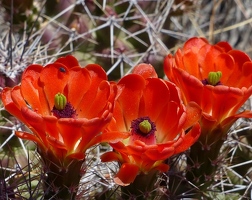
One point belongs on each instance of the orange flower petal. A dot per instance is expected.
(162, 167)
(97, 72)
(189, 139)
(11, 106)
(237, 79)
(155, 95)
(57, 147)
(117, 123)
(32, 91)
(79, 82)
(137, 148)
(191, 87)
(170, 122)
(129, 100)
(36, 122)
(206, 60)
(189, 62)
(145, 70)
(69, 61)
(90, 130)
(120, 147)
(126, 174)
(247, 74)
(114, 136)
(159, 154)
(59, 76)
(224, 46)
(194, 44)
(230, 120)
(70, 131)
(109, 157)
(51, 126)
(99, 101)
(97, 75)
(232, 98)
(193, 114)
(175, 94)
(227, 66)
(169, 65)
(28, 136)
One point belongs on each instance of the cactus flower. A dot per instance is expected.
(216, 77)
(47, 90)
(219, 79)
(149, 110)
(66, 107)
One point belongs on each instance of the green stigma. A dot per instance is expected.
(214, 77)
(60, 101)
(145, 126)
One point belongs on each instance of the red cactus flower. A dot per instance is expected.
(149, 111)
(219, 80)
(216, 77)
(64, 105)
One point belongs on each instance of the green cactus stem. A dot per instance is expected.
(143, 187)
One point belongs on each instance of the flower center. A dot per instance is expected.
(62, 108)
(213, 79)
(60, 101)
(143, 126)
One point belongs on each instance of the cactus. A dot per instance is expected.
(118, 35)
